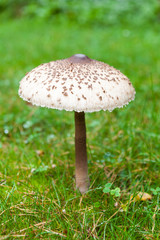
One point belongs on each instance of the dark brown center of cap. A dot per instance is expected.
(79, 58)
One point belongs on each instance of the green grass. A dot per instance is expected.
(37, 191)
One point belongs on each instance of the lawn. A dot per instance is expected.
(38, 198)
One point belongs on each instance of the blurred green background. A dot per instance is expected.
(103, 12)
(37, 190)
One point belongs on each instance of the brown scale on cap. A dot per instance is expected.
(84, 97)
(65, 94)
(90, 86)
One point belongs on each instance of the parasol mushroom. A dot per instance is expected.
(77, 84)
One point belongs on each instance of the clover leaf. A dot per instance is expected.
(107, 187)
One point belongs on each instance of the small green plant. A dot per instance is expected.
(97, 204)
(114, 192)
(156, 191)
(107, 187)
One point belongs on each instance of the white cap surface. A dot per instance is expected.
(77, 84)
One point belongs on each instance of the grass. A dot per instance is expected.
(37, 189)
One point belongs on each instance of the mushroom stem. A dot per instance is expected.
(82, 180)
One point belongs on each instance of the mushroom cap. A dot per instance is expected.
(77, 84)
